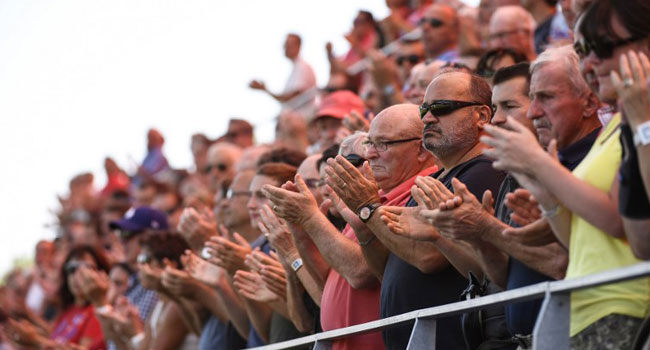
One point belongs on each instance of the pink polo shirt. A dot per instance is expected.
(344, 306)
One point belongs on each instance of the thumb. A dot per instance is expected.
(302, 187)
(488, 201)
(325, 206)
(552, 149)
(366, 170)
(460, 189)
(240, 240)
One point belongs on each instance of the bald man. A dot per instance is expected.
(512, 27)
(440, 29)
(220, 163)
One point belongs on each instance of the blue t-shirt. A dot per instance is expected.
(219, 335)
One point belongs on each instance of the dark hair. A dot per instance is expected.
(480, 90)
(485, 65)
(297, 37)
(551, 3)
(515, 71)
(330, 152)
(78, 252)
(165, 245)
(633, 15)
(124, 266)
(282, 155)
(280, 172)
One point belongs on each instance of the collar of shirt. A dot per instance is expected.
(400, 194)
(573, 154)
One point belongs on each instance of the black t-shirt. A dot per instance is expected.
(405, 288)
(633, 199)
(521, 316)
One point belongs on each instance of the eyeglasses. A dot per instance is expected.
(433, 22)
(231, 193)
(72, 267)
(603, 48)
(312, 183)
(381, 146)
(440, 108)
(219, 166)
(355, 159)
(501, 35)
(412, 59)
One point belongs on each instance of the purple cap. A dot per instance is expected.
(140, 219)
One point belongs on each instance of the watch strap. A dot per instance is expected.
(642, 134)
(296, 264)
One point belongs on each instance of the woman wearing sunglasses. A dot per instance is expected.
(77, 327)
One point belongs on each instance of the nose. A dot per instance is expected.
(498, 118)
(251, 205)
(535, 110)
(370, 152)
(429, 118)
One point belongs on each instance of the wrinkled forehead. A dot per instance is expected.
(448, 86)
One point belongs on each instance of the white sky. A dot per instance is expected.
(84, 79)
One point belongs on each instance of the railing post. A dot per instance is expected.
(423, 336)
(552, 326)
(323, 345)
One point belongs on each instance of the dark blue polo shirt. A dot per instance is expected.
(405, 288)
(521, 317)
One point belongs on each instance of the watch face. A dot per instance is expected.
(364, 213)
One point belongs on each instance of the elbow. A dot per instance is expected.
(363, 280)
(560, 266)
(641, 251)
(431, 263)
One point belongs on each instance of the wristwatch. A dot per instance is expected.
(296, 265)
(365, 213)
(642, 135)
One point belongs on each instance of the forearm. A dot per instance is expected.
(298, 313)
(284, 97)
(340, 253)
(190, 315)
(643, 153)
(212, 301)
(423, 255)
(312, 259)
(260, 316)
(493, 261)
(550, 260)
(460, 255)
(172, 331)
(309, 284)
(581, 198)
(234, 306)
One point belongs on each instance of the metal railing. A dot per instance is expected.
(551, 328)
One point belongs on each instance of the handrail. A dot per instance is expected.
(536, 291)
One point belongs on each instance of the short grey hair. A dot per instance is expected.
(352, 142)
(565, 57)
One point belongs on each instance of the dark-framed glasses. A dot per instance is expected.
(433, 22)
(381, 146)
(219, 166)
(440, 108)
(412, 59)
(72, 266)
(603, 48)
(312, 183)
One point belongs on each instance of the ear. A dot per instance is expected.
(423, 154)
(591, 104)
(484, 115)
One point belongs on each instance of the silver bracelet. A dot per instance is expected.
(550, 213)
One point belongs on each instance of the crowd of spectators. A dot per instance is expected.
(490, 148)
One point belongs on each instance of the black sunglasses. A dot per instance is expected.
(440, 108)
(433, 22)
(220, 166)
(412, 59)
(604, 49)
(126, 234)
(355, 159)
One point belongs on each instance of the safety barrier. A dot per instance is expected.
(551, 328)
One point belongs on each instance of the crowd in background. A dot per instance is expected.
(455, 152)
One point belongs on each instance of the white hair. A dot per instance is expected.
(514, 13)
(565, 57)
(352, 142)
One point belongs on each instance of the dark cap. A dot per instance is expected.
(140, 219)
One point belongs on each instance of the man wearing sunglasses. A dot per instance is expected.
(220, 163)
(440, 28)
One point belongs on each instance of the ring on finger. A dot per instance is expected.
(628, 82)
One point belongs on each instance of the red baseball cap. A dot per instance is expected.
(338, 104)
